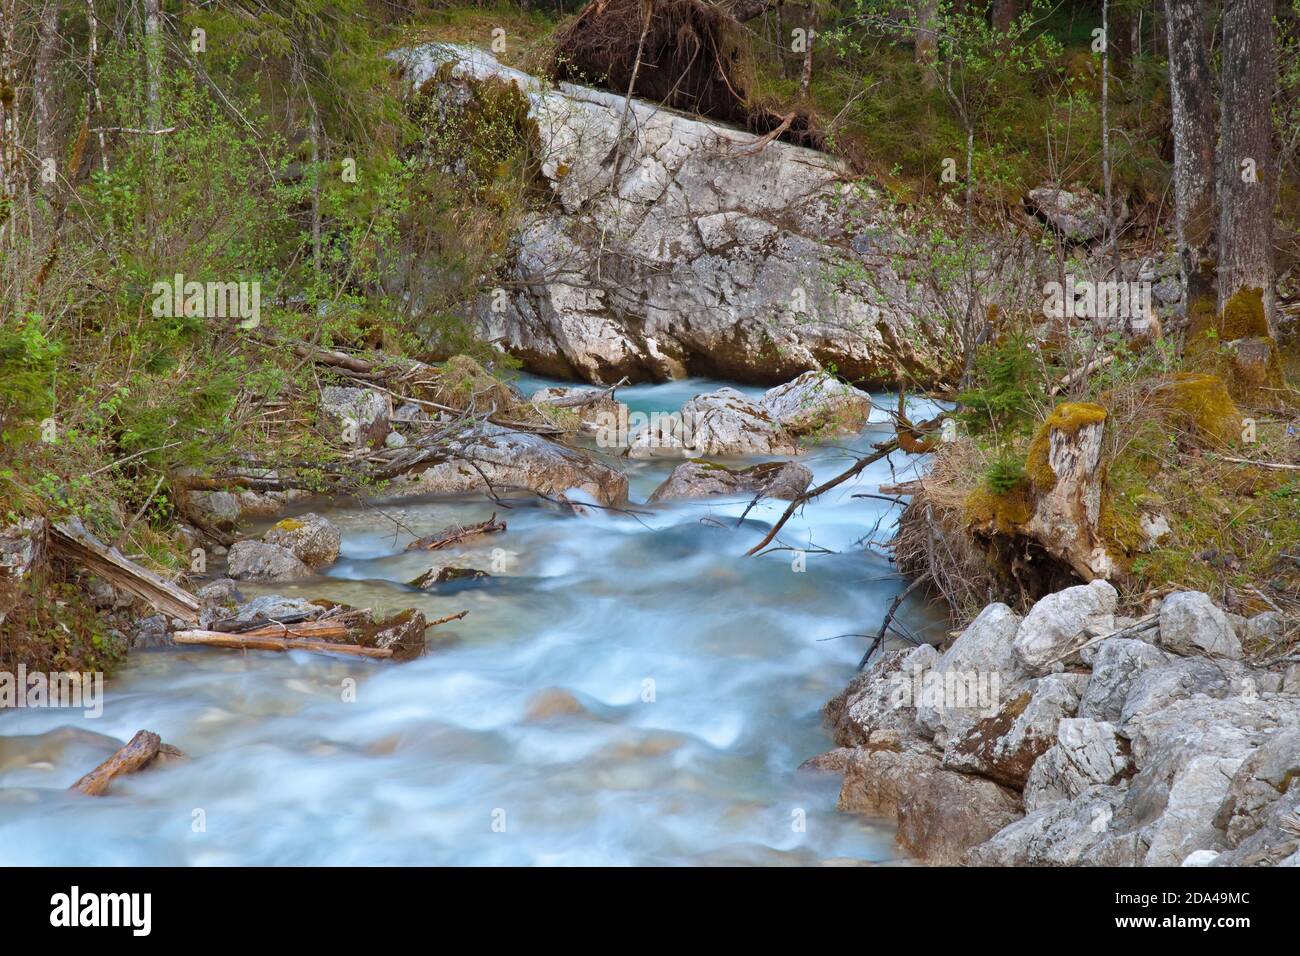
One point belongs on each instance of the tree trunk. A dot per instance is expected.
(8, 120)
(43, 93)
(153, 61)
(1247, 171)
(1004, 13)
(1193, 128)
(926, 43)
(1112, 223)
(95, 107)
(810, 31)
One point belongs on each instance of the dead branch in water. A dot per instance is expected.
(453, 535)
(889, 617)
(448, 619)
(252, 642)
(884, 450)
(137, 754)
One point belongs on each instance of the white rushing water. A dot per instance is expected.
(701, 674)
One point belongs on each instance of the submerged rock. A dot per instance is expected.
(492, 458)
(702, 479)
(445, 574)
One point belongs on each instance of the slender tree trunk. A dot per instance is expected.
(8, 122)
(810, 31)
(44, 92)
(1112, 222)
(1193, 128)
(153, 61)
(926, 43)
(1247, 169)
(95, 107)
(1004, 13)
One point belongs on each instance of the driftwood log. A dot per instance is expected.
(71, 540)
(138, 753)
(454, 535)
(251, 641)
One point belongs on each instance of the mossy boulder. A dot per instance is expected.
(1197, 404)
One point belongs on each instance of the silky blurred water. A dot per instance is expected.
(700, 674)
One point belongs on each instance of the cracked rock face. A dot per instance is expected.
(704, 253)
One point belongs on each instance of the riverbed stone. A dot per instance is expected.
(1116, 663)
(723, 422)
(1190, 623)
(817, 402)
(311, 538)
(1057, 834)
(697, 478)
(1004, 747)
(941, 814)
(881, 701)
(1263, 777)
(275, 607)
(1085, 752)
(493, 458)
(1057, 621)
(981, 657)
(260, 561)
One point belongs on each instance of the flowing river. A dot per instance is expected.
(700, 673)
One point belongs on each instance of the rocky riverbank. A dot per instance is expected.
(1072, 736)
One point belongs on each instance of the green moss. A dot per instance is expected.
(1067, 419)
(289, 524)
(985, 509)
(1244, 316)
(1198, 404)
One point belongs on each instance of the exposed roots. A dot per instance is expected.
(694, 58)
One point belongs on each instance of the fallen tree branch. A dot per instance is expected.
(885, 449)
(251, 642)
(1258, 464)
(889, 617)
(74, 542)
(139, 752)
(448, 619)
(1137, 627)
(449, 536)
